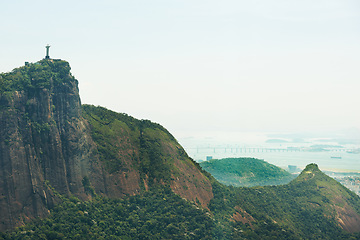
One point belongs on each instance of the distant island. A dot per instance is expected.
(246, 172)
(276, 141)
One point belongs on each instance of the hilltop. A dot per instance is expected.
(246, 172)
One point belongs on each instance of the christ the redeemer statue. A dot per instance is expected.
(47, 51)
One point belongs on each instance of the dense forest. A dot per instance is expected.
(302, 209)
(156, 214)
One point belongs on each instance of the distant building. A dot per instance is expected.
(208, 158)
(292, 168)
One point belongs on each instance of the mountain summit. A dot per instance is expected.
(51, 143)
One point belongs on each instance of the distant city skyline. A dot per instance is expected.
(201, 66)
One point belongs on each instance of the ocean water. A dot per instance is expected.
(325, 160)
(328, 153)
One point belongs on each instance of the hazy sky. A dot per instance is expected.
(201, 65)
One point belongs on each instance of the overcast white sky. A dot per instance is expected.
(201, 65)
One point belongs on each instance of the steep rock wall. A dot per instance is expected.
(43, 142)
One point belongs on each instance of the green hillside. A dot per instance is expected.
(246, 172)
(108, 128)
(140, 154)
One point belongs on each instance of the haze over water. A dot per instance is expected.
(337, 153)
(201, 65)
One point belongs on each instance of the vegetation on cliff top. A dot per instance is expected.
(246, 172)
(42, 74)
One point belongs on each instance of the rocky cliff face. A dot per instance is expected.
(43, 141)
(46, 145)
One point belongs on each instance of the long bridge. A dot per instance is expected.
(265, 149)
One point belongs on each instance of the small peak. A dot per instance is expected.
(312, 167)
(311, 171)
